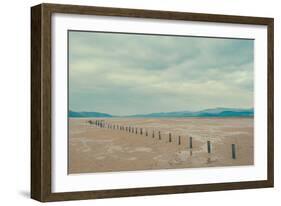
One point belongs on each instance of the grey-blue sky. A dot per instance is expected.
(127, 73)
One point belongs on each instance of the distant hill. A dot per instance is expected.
(87, 114)
(215, 112)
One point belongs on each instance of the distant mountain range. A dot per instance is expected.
(216, 112)
(87, 114)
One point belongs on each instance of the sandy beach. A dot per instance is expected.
(96, 149)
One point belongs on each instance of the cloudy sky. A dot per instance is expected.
(125, 74)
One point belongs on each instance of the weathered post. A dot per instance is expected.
(170, 137)
(159, 134)
(132, 129)
(190, 142)
(129, 128)
(136, 130)
(233, 147)
(209, 146)
(179, 140)
(141, 131)
(153, 134)
(146, 133)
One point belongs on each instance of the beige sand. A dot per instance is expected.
(94, 149)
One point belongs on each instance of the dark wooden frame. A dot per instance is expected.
(41, 101)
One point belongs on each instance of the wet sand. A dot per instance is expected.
(95, 149)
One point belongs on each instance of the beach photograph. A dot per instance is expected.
(154, 102)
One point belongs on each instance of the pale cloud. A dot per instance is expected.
(128, 74)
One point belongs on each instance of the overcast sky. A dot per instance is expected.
(125, 74)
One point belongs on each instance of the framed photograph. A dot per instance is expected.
(130, 102)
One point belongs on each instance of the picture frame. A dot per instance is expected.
(42, 116)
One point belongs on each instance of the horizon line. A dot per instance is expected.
(245, 108)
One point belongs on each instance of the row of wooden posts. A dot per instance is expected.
(130, 129)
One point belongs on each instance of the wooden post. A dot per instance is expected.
(159, 135)
(136, 130)
(146, 133)
(190, 142)
(129, 128)
(209, 146)
(233, 147)
(141, 131)
(170, 137)
(179, 140)
(132, 129)
(153, 134)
